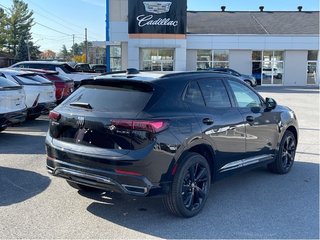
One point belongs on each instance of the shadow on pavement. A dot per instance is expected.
(27, 138)
(256, 204)
(17, 143)
(19, 185)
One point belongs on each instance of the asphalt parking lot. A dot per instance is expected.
(255, 204)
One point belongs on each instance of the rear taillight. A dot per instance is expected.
(54, 116)
(141, 125)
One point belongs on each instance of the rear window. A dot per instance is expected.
(111, 98)
(7, 83)
(66, 68)
(38, 78)
(25, 81)
(32, 79)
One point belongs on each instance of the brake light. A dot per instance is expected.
(54, 116)
(142, 125)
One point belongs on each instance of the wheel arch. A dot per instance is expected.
(202, 149)
(294, 131)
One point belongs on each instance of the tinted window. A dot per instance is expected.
(111, 99)
(215, 93)
(193, 94)
(37, 78)
(245, 97)
(66, 68)
(7, 83)
(25, 81)
(42, 66)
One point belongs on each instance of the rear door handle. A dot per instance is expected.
(208, 121)
(250, 119)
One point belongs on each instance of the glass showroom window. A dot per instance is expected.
(212, 59)
(157, 59)
(268, 67)
(115, 58)
(312, 67)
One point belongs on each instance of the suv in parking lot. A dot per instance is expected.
(173, 134)
(12, 103)
(62, 68)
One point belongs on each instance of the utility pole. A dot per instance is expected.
(86, 44)
(73, 45)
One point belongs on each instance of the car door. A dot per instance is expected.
(262, 125)
(222, 124)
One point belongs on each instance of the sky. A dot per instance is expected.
(58, 20)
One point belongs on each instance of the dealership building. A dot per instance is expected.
(277, 47)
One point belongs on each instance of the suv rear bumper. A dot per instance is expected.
(103, 179)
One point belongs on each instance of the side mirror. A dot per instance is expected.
(270, 103)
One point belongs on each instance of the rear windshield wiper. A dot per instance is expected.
(82, 105)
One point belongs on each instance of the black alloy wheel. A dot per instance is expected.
(285, 157)
(190, 187)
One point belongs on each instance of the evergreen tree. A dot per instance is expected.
(3, 29)
(22, 52)
(65, 54)
(20, 22)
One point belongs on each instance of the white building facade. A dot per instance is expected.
(278, 48)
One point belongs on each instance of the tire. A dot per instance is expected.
(248, 82)
(33, 117)
(81, 187)
(190, 187)
(285, 156)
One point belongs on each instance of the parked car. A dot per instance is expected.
(250, 80)
(135, 135)
(63, 69)
(99, 68)
(64, 85)
(83, 67)
(13, 108)
(40, 92)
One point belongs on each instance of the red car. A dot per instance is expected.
(64, 86)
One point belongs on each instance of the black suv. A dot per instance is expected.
(148, 134)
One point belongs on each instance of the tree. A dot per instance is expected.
(76, 49)
(65, 53)
(22, 52)
(3, 29)
(34, 51)
(20, 22)
(79, 58)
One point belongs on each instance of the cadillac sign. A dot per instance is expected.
(164, 17)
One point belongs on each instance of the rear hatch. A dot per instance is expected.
(12, 96)
(103, 115)
(45, 88)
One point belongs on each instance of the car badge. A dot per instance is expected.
(80, 122)
(157, 7)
